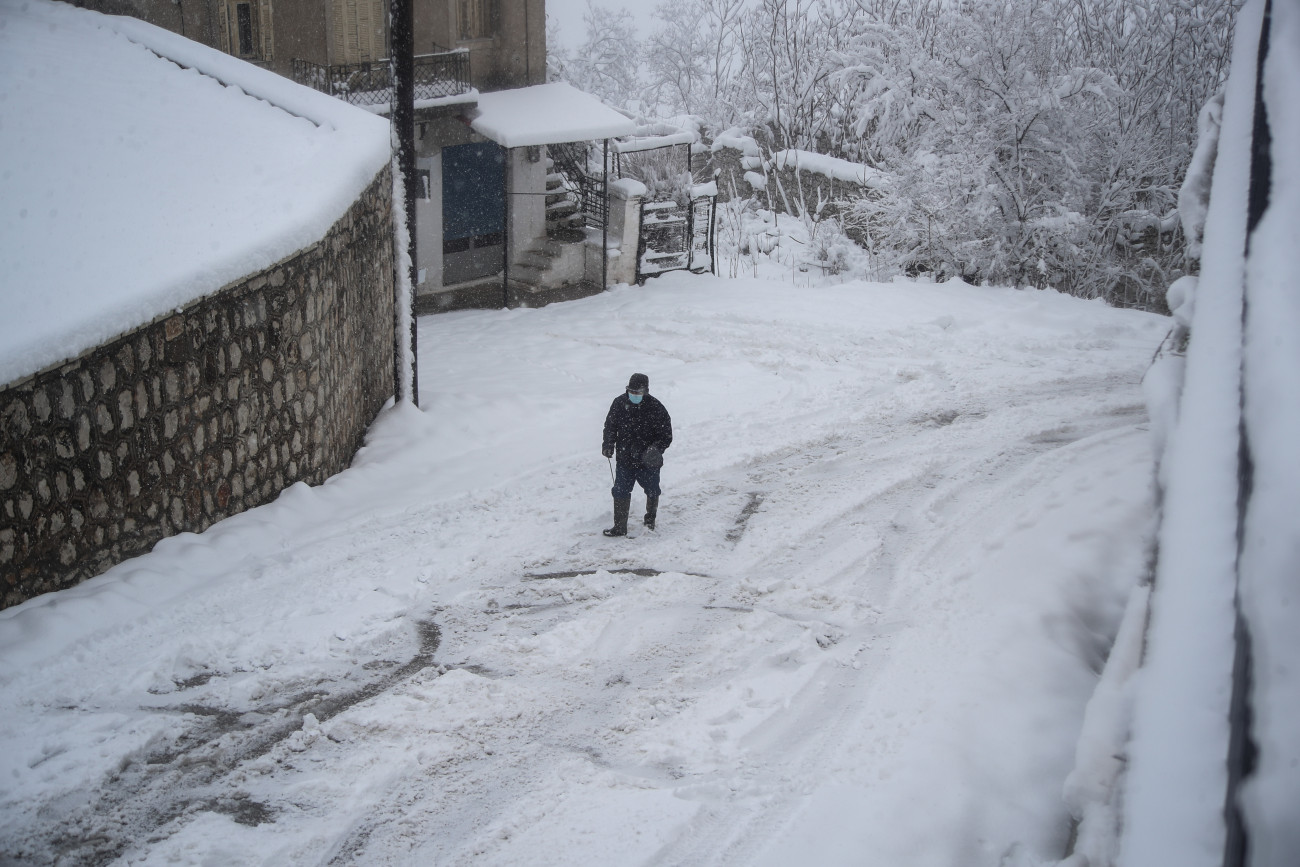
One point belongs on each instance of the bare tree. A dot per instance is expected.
(607, 64)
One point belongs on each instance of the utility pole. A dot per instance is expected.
(401, 59)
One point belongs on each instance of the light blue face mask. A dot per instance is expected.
(635, 398)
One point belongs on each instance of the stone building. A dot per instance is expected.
(513, 194)
(517, 216)
(505, 39)
(199, 310)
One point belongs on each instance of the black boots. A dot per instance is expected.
(621, 508)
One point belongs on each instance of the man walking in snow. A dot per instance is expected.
(639, 428)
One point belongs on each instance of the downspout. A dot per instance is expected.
(604, 224)
(505, 231)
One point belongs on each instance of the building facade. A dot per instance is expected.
(509, 213)
(505, 39)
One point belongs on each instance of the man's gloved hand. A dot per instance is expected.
(607, 451)
(653, 457)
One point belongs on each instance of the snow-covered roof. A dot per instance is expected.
(140, 171)
(546, 114)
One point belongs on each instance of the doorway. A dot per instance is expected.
(473, 212)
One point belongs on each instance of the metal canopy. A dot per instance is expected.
(546, 114)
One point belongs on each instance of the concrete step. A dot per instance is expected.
(529, 274)
(563, 234)
(535, 258)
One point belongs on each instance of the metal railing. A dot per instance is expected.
(591, 186)
(438, 75)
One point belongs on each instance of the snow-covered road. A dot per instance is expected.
(899, 527)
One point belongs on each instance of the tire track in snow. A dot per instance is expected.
(854, 511)
(838, 699)
(611, 701)
(187, 773)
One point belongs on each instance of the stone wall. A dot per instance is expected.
(202, 414)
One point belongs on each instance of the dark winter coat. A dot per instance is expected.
(632, 427)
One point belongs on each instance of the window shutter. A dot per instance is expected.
(267, 32)
(358, 31)
(378, 19)
(365, 28)
(476, 19)
(223, 27)
(352, 50)
(338, 44)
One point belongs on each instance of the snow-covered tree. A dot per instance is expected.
(1050, 135)
(607, 63)
(1035, 142)
(693, 55)
(790, 50)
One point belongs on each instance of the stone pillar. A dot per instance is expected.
(625, 198)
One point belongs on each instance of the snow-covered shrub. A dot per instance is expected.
(664, 173)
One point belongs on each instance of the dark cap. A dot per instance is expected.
(639, 380)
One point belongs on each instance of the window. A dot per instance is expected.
(359, 32)
(244, 24)
(476, 19)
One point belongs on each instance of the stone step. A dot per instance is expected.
(566, 235)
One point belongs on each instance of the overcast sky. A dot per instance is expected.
(568, 13)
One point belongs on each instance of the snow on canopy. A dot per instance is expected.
(546, 114)
(149, 172)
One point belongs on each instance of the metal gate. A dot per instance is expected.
(676, 237)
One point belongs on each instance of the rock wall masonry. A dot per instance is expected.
(201, 415)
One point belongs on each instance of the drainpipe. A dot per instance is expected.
(604, 227)
(505, 231)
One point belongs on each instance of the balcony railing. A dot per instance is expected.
(438, 75)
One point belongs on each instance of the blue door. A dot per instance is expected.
(473, 211)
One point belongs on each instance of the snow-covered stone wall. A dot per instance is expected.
(200, 414)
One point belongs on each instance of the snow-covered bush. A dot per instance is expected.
(1031, 142)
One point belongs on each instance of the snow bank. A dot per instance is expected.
(1178, 774)
(899, 525)
(1270, 565)
(140, 171)
(1194, 195)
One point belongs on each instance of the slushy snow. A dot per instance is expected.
(900, 528)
